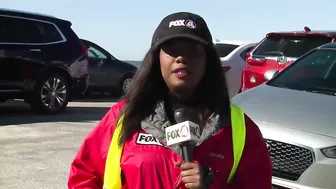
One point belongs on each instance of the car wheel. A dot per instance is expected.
(51, 94)
(125, 84)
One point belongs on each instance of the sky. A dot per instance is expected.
(125, 28)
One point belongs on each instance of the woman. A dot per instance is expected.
(181, 69)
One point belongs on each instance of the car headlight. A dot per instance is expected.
(329, 152)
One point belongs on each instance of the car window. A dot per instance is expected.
(243, 54)
(16, 30)
(96, 53)
(289, 46)
(224, 49)
(315, 72)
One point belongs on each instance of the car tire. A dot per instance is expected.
(125, 83)
(51, 94)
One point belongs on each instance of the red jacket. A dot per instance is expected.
(147, 164)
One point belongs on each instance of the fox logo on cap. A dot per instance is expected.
(189, 23)
(182, 24)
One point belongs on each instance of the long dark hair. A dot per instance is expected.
(148, 88)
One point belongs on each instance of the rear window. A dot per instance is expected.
(73, 42)
(17, 30)
(224, 49)
(289, 46)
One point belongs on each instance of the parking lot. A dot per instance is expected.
(36, 151)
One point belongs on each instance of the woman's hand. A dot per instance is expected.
(191, 174)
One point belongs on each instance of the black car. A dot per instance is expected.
(41, 60)
(107, 73)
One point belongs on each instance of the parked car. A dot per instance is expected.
(295, 111)
(233, 64)
(42, 60)
(107, 73)
(278, 50)
(225, 47)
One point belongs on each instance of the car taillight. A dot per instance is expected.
(86, 51)
(226, 68)
(248, 55)
(255, 61)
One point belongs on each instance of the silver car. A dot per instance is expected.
(296, 113)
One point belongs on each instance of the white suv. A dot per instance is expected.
(232, 54)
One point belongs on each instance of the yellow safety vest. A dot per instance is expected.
(112, 179)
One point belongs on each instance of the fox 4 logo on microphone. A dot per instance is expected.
(182, 132)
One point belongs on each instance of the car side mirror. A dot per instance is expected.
(110, 58)
(270, 74)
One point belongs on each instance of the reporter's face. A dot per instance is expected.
(182, 63)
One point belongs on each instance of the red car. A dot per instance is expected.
(278, 50)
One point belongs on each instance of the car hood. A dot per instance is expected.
(306, 111)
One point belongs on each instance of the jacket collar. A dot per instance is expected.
(156, 123)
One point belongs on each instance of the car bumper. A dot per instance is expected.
(321, 173)
(283, 184)
(81, 84)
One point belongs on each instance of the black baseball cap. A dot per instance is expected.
(182, 25)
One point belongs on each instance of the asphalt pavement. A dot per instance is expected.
(36, 150)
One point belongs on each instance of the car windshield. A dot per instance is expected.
(224, 49)
(315, 72)
(289, 46)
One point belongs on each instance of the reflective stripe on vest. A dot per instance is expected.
(112, 179)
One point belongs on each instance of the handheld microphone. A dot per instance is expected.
(182, 133)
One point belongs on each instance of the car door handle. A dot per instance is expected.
(35, 50)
